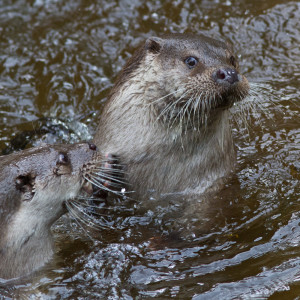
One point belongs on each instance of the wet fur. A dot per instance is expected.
(34, 185)
(170, 125)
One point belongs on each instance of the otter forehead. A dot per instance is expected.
(208, 50)
(41, 160)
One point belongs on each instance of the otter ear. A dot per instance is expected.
(25, 184)
(154, 44)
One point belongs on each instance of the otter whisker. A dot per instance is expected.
(198, 105)
(215, 101)
(205, 110)
(114, 164)
(255, 103)
(170, 106)
(87, 220)
(168, 95)
(82, 202)
(191, 99)
(87, 198)
(82, 205)
(100, 185)
(170, 125)
(113, 181)
(166, 110)
(171, 112)
(107, 170)
(81, 220)
(193, 112)
(183, 115)
(107, 176)
(249, 107)
(188, 111)
(114, 208)
(260, 90)
(241, 115)
(77, 218)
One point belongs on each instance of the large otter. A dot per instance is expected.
(34, 185)
(167, 115)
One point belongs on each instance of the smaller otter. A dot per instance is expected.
(167, 116)
(34, 185)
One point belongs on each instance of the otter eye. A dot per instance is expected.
(232, 61)
(191, 62)
(62, 159)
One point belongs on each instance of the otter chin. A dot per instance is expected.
(167, 115)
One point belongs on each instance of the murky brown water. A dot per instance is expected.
(58, 60)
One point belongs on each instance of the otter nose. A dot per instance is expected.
(226, 74)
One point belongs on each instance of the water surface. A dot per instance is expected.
(58, 61)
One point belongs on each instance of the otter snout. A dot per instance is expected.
(226, 75)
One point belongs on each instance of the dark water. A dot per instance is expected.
(58, 60)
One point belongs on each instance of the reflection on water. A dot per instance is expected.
(58, 60)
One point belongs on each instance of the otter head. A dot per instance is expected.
(188, 79)
(34, 187)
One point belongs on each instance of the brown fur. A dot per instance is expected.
(169, 122)
(34, 184)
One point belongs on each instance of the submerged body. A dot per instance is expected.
(34, 185)
(167, 116)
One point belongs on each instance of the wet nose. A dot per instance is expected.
(226, 75)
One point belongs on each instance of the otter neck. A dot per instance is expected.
(27, 243)
(189, 161)
(20, 254)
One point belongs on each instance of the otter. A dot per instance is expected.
(35, 184)
(167, 115)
